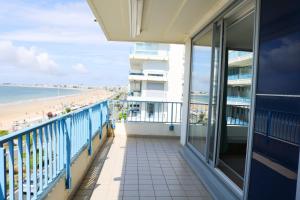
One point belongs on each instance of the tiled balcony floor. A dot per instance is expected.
(141, 168)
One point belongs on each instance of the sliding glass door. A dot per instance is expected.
(220, 93)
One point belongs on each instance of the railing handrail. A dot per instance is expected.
(16, 134)
(147, 101)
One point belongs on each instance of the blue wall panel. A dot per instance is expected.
(279, 49)
(276, 138)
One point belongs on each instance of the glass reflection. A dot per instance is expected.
(199, 91)
(236, 100)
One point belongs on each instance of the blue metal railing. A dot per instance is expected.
(237, 115)
(278, 125)
(239, 76)
(33, 159)
(238, 99)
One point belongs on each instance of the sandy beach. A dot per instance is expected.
(36, 110)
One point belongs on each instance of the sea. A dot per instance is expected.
(15, 94)
(200, 98)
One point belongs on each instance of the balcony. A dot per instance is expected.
(145, 54)
(239, 79)
(157, 77)
(240, 58)
(135, 94)
(149, 51)
(133, 76)
(236, 100)
(75, 156)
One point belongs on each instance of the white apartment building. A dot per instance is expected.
(154, 72)
(156, 75)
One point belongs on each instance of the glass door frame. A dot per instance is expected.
(219, 68)
(220, 21)
(189, 145)
(252, 104)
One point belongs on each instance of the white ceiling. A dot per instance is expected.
(169, 21)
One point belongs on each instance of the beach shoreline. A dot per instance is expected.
(33, 111)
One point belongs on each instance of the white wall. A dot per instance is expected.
(146, 129)
(155, 65)
(175, 74)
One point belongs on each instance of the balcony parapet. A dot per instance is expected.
(50, 150)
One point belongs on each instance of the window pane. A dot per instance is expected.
(199, 91)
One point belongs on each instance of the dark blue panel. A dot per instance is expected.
(264, 189)
(276, 137)
(275, 153)
(279, 47)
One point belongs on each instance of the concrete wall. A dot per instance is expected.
(78, 170)
(146, 129)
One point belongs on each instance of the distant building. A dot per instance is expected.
(156, 75)
(239, 87)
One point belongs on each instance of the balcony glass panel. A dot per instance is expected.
(150, 49)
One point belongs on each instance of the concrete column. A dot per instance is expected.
(184, 113)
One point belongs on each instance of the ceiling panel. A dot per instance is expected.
(169, 21)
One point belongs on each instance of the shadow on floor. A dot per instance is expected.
(89, 183)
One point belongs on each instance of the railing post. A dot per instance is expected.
(2, 173)
(20, 165)
(28, 175)
(101, 120)
(269, 123)
(171, 127)
(113, 115)
(107, 114)
(90, 133)
(68, 128)
(11, 173)
(34, 164)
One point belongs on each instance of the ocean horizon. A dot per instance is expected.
(15, 94)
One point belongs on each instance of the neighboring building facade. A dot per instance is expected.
(239, 87)
(156, 75)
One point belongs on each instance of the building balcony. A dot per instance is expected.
(94, 153)
(135, 94)
(161, 55)
(236, 100)
(240, 79)
(149, 51)
(240, 59)
(157, 77)
(149, 95)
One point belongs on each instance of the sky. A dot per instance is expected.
(58, 42)
(201, 68)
